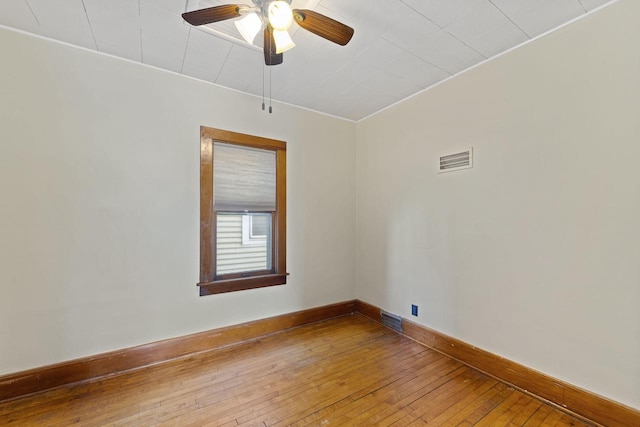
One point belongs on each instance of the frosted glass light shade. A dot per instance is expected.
(283, 41)
(280, 15)
(249, 26)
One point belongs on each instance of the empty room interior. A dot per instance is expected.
(343, 213)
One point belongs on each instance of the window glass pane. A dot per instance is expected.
(237, 251)
(244, 178)
(259, 224)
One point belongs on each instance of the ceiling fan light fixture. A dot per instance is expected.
(280, 15)
(274, 17)
(249, 26)
(283, 40)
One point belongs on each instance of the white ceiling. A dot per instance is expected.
(400, 47)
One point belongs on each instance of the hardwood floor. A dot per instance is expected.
(343, 371)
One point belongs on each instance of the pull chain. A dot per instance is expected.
(270, 108)
(263, 67)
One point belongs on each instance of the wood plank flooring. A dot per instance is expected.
(344, 371)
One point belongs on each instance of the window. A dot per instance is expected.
(255, 229)
(242, 212)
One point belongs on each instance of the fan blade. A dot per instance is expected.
(323, 26)
(270, 55)
(212, 14)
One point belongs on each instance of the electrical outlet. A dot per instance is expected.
(414, 309)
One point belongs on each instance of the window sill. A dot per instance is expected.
(241, 284)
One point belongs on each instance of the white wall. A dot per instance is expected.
(534, 254)
(99, 204)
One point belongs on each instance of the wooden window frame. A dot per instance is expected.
(210, 283)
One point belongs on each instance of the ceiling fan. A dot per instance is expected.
(275, 16)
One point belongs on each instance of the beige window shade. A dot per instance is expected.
(244, 179)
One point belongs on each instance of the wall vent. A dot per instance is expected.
(456, 161)
(392, 321)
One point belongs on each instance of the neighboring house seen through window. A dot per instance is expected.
(255, 229)
(242, 212)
